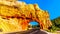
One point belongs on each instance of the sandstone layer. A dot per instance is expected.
(15, 16)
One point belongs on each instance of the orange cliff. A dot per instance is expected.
(15, 16)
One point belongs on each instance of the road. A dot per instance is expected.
(31, 31)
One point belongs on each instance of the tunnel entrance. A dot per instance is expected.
(33, 25)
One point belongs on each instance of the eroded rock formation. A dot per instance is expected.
(15, 16)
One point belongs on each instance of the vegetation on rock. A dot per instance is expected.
(55, 25)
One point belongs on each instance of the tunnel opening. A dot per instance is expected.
(33, 25)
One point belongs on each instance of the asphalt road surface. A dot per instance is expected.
(31, 31)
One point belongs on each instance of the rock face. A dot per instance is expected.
(15, 16)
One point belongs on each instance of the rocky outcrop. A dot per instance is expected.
(17, 15)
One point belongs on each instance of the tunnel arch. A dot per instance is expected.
(34, 24)
(27, 21)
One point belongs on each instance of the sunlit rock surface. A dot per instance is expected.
(15, 16)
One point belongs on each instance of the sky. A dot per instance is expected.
(52, 6)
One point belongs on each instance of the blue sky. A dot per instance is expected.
(52, 6)
(33, 23)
